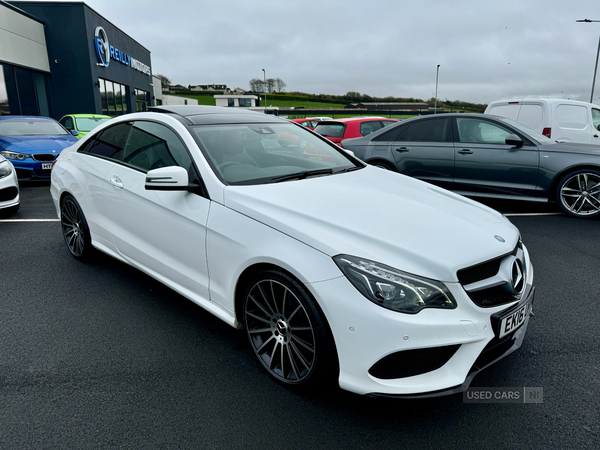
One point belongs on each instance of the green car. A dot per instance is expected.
(83, 123)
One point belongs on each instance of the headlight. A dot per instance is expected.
(5, 169)
(15, 155)
(392, 288)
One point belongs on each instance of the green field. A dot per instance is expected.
(297, 113)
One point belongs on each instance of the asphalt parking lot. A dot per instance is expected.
(99, 355)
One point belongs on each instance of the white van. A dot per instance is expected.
(561, 120)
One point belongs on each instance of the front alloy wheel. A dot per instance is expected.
(579, 194)
(74, 227)
(285, 329)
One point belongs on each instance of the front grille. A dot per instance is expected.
(410, 363)
(491, 297)
(494, 295)
(8, 193)
(479, 272)
(43, 157)
(494, 350)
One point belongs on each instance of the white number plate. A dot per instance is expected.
(513, 321)
(47, 166)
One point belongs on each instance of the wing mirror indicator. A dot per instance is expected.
(172, 178)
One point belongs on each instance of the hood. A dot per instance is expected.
(36, 144)
(383, 216)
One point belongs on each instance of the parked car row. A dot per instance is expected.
(32, 143)
(488, 156)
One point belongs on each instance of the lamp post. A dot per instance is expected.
(265, 87)
(437, 74)
(596, 66)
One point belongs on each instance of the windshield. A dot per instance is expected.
(331, 130)
(540, 138)
(31, 127)
(86, 124)
(269, 153)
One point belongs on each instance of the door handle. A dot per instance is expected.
(116, 182)
(595, 135)
(465, 151)
(402, 150)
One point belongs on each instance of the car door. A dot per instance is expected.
(94, 160)
(425, 150)
(163, 232)
(485, 163)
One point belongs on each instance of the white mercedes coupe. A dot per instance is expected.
(335, 270)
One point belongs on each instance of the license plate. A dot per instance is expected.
(514, 320)
(47, 166)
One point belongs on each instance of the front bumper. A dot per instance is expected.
(463, 341)
(494, 351)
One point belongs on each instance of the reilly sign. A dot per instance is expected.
(105, 52)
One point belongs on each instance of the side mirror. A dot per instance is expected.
(74, 132)
(173, 178)
(514, 140)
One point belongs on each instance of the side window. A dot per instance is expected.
(387, 123)
(430, 130)
(67, 122)
(596, 118)
(392, 134)
(151, 146)
(477, 131)
(369, 127)
(111, 142)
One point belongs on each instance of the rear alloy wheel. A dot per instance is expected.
(286, 331)
(578, 194)
(75, 228)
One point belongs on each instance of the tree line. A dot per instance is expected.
(272, 85)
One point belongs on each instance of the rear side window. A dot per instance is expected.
(331, 130)
(531, 116)
(111, 142)
(596, 118)
(392, 134)
(430, 130)
(571, 116)
(151, 146)
(369, 127)
(510, 111)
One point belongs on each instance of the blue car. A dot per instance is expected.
(32, 143)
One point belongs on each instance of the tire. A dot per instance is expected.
(287, 332)
(578, 194)
(75, 229)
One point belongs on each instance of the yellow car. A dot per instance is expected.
(83, 123)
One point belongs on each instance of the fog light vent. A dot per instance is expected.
(409, 363)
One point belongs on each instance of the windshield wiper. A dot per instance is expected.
(349, 169)
(302, 175)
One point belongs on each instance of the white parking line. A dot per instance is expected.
(536, 214)
(30, 220)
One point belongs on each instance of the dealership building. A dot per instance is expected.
(60, 58)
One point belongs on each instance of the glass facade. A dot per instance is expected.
(4, 105)
(113, 97)
(142, 100)
(23, 92)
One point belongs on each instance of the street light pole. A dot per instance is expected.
(596, 66)
(437, 74)
(265, 87)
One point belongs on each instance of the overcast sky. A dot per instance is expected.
(487, 50)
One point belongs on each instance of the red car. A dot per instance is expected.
(338, 129)
(308, 122)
